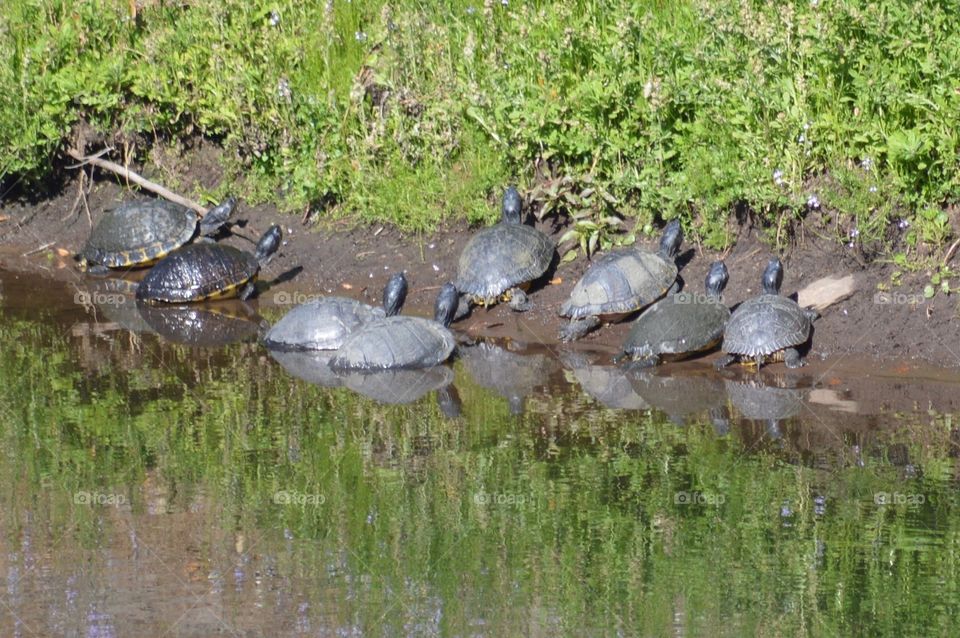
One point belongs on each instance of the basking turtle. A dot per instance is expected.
(323, 324)
(681, 324)
(402, 342)
(767, 327)
(141, 232)
(499, 261)
(207, 271)
(621, 282)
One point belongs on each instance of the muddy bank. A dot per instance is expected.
(335, 258)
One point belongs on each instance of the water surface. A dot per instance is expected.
(164, 474)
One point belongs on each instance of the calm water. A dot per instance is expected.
(162, 474)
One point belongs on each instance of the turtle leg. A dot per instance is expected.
(247, 291)
(811, 313)
(792, 358)
(725, 360)
(463, 308)
(577, 328)
(518, 302)
(676, 286)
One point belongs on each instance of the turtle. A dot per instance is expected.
(768, 327)
(403, 341)
(499, 261)
(679, 325)
(207, 271)
(323, 324)
(141, 232)
(622, 282)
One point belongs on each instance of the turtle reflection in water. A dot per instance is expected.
(388, 386)
(511, 375)
(398, 386)
(609, 385)
(683, 398)
(203, 326)
(756, 401)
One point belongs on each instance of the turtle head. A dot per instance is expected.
(772, 277)
(512, 205)
(269, 244)
(394, 294)
(446, 305)
(716, 279)
(670, 242)
(216, 217)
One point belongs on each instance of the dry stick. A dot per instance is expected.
(137, 179)
(950, 251)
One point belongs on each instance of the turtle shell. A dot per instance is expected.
(680, 324)
(765, 325)
(395, 342)
(321, 324)
(198, 271)
(620, 281)
(140, 232)
(501, 257)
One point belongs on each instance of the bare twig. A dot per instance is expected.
(950, 251)
(135, 178)
(37, 250)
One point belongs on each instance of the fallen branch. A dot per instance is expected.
(950, 251)
(143, 182)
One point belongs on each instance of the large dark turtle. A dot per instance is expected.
(324, 324)
(498, 261)
(207, 271)
(402, 342)
(621, 282)
(141, 232)
(767, 327)
(680, 325)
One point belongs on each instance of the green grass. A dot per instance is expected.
(419, 112)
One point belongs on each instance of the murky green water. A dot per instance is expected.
(156, 488)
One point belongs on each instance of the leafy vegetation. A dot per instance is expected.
(417, 112)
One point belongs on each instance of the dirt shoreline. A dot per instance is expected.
(42, 236)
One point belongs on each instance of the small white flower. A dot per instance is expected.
(854, 233)
(274, 18)
(505, 2)
(360, 36)
(866, 163)
(872, 189)
(471, 10)
(813, 202)
(903, 224)
(283, 89)
(778, 177)
(801, 138)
